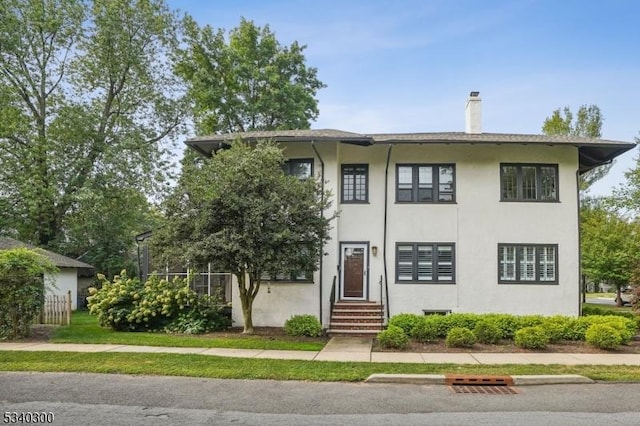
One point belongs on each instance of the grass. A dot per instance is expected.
(267, 369)
(84, 328)
(608, 308)
(601, 295)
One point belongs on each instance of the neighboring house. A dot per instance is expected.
(73, 275)
(436, 222)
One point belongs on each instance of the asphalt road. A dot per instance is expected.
(93, 399)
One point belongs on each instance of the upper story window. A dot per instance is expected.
(355, 183)
(528, 182)
(302, 168)
(528, 263)
(424, 263)
(425, 183)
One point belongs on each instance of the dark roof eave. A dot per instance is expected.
(207, 146)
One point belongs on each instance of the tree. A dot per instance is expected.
(587, 124)
(250, 82)
(610, 247)
(627, 196)
(87, 101)
(249, 218)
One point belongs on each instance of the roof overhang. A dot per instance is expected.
(209, 145)
(592, 156)
(592, 152)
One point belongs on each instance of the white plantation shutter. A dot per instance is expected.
(425, 263)
(405, 263)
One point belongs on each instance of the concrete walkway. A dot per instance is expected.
(347, 349)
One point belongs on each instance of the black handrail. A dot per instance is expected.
(332, 296)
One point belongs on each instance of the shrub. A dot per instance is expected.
(460, 337)
(524, 321)
(303, 325)
(21, 290)
(393, 337)
(531, 337)
(113, 302)
(507, 323)
(487, 331)
(161, 301)
(426, 330)
(406, 321)
(127, 304)
(204, 316)
(458, 320)
(626, 327)
(556, 327)
(603, 336)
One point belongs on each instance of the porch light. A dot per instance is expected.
(374, 250)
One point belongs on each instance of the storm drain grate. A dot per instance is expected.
(491, 385)
(484, 389)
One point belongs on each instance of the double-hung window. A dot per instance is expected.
(423, 263)
(302, 168)
(355, 183)
(425, 183)
(528, 263)
(528, 182)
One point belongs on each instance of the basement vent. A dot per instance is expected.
(436, 311)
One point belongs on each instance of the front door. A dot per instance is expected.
(354, 270)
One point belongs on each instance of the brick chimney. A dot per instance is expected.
(473, 113)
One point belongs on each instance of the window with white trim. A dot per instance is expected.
(528, 182)
(528, 263)
(425, 263)
(425, 183)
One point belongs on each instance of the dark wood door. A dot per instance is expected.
(353, 263)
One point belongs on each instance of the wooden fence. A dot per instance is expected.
(57, 309)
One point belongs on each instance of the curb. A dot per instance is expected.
(440, 379)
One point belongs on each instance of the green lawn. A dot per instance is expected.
(84, 328)
(608, 308)
(240, 368)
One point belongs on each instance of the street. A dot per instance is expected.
(79, 399)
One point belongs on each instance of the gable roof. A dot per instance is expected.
(57, 259)
(593, 151)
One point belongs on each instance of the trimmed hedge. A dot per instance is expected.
(460, 337)
(603, 336)
(393, 337)
(531, 337)
(303, 325)
(556, 328)
(487, 331)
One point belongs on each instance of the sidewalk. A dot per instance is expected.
(348, 349)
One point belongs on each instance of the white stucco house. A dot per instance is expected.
(72, 274)
(435, 222)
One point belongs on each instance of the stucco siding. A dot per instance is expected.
(476, 223)
(277, 302)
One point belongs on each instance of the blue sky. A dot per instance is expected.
(408, 66)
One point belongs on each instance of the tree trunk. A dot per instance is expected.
(248, 320)
(618, 296)
(246, 298)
